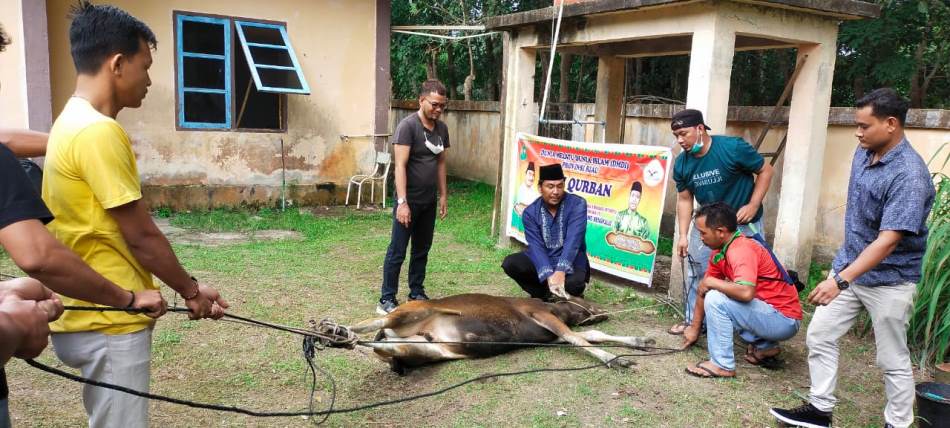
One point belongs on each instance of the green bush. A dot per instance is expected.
(929, 330)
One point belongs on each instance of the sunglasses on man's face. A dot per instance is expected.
(437, 106)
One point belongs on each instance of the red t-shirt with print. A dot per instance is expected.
(745, 263)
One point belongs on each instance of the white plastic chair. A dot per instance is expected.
(380, 174)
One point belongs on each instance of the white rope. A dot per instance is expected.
(439, 36)
(547, 83)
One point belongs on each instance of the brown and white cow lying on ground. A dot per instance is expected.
(484, 318)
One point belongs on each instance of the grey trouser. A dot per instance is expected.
(889, 307)
(121, 359)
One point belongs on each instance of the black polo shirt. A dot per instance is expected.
(18, 201)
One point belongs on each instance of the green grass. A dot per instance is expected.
(334, 272)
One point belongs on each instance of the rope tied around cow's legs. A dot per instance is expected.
(331, 334)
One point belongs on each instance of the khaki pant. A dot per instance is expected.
(889, 307)
(117, 359)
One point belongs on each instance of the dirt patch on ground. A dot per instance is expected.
(177, 235)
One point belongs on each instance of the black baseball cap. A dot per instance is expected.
(687, 118)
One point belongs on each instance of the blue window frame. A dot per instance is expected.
(271, 58)
(203, 60)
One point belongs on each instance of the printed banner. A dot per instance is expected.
(625, 188)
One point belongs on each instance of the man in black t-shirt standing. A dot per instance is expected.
(418, 145)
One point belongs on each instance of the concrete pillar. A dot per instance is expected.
(710, 68)
(608, 103)
(519, 114)
(804, 154)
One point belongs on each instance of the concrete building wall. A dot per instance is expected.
(335, 44)
(13, 104)
(473, 155)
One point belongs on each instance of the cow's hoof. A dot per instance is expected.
(621, 362)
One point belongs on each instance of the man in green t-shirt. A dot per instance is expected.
(712, 168)
(629, 221)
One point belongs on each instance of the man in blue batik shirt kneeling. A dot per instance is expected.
(555, 262)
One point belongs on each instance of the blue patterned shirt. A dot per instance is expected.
(896, 193)
(556, 243)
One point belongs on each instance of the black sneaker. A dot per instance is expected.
(420, 296)
(805, 415)
(386, 306)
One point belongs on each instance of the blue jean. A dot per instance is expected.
(420, 231)
(4, 414)
(697, 261)
(756, 322)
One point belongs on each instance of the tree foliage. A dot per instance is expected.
(907, 48)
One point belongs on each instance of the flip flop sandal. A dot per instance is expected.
(768, 363)
(682, 326)
(709, 373)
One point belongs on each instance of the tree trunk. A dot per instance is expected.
(449, 79)
(580, 80)
(916, 94)
(927, 79)
(563, 86)
(490, 89)
(638, 77)
(545, 57)
(432, 71)
(470, 79)
(858, 86)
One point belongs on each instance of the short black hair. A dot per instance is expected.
(430, 86)
(718, 214)
(98, 31)
(885, 103)
(4, 39)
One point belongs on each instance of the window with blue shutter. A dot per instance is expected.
(271, 58)
(203, 47)
(234, 73)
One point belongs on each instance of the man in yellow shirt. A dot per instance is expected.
(91, 186)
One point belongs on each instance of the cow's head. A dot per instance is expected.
(577, 311)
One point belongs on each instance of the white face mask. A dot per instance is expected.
(432, 147)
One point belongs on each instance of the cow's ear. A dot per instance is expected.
(446, 311)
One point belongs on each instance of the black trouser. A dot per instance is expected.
(420, 230)
(521, 269)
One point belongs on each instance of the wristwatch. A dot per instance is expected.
(400, 201)
(842, 284)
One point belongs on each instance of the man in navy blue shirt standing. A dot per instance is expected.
(555, 262)
(890, 194)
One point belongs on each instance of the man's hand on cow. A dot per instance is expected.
(690, 336)
(403, 214)
(207, 304)
(682, 247)
(443, 207)
(746, 213)
(556, 284)
(824, 292)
